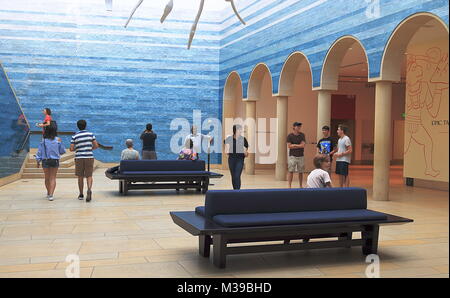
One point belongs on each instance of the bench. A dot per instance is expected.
(312, 216)
(161, 174)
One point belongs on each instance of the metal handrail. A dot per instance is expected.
(21, 147)
(69, 133)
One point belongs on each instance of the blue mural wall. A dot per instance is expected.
(14, 129)
(82, 63)
(78, 59)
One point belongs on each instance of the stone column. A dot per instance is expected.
(382, 141)
(250, 134)
(323, 111)
(282, 117)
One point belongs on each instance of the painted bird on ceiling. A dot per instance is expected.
(169, 8)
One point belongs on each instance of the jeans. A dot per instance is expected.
(236, 165)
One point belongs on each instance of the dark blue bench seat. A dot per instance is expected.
(163, 174)
(241, 216)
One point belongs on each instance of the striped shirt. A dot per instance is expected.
(83, 144)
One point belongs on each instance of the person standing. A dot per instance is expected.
(296, 163)
(47, 118)
(343, 156)
(83, 143)
(49, 153)
(148, 138)
(327, 145)
(236, 147)
(129, 153)
(197, 138)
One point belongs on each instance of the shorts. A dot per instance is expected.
(50, 163)
(342, 168)
(296, 164)
(84, 167)
(150, 155)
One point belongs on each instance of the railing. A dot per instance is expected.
(24, 142)
(69, 133)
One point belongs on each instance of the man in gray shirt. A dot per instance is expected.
(343, 156)
(129, 153)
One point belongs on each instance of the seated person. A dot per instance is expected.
(188, 153)
(319, 178)
(129, 153)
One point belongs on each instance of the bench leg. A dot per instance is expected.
(125, 187)
(219, 246)
(120, 186)
(204, 245)
(370, 238)
(346, 236)
(205, 184)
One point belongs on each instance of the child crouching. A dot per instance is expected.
(319, 178)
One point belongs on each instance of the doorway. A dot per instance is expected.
(343, 109)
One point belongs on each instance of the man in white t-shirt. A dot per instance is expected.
(343, 156)
(320, 178)
(197, 139)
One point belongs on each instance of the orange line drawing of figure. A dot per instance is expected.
(426, 79)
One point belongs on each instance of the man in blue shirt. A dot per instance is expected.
(327, 145)
(83, 142)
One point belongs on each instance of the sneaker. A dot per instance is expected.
(89, 196)
(50, 198)
(81, 197)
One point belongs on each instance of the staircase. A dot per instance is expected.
(66, 166)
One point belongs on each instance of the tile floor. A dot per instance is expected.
(134, 236)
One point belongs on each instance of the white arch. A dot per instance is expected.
(255, 81)
(289, 72)
(232, 82)
(330, 69)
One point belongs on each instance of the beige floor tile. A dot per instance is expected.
(37, 250)
(409, 272)
(84, 273)
(96, 228)
(401, 242)
(179, 242)
(27, 267)
(105, 262)
(91, 247)
(165, 269)
(360, 268)
(441, 268)
(62, 258)
(153, 253)
(436, 276)
(32, 229)
(352, 275)
(14, 261)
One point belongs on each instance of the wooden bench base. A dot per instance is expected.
(221, 248)
(199, 184)
(220, 238)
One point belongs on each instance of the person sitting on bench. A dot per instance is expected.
(319, 178)
(129, 153)
(188, 152)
